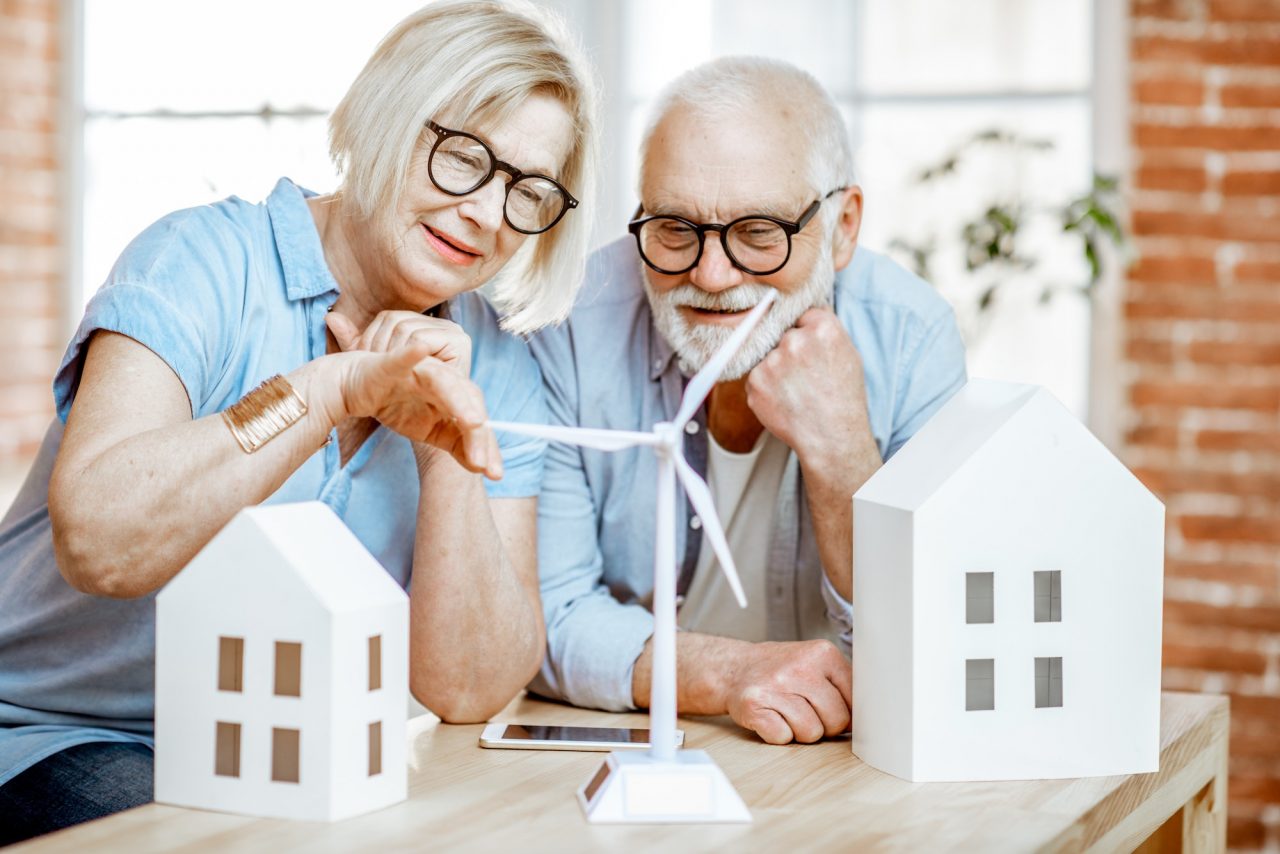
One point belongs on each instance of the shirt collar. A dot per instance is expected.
(306, 273)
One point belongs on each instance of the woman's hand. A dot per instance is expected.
(392, 330)
(412, 376)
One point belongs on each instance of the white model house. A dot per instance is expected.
(1007, 599)
(282, 672)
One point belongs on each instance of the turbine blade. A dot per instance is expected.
(700, 386)
(587, 437)
(700, 496)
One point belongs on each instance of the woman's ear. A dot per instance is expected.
(845, 239)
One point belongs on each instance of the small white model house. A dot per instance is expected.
(282, 672)
(1006, 599)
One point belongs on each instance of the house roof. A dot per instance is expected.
(964, 425)
(304, 539)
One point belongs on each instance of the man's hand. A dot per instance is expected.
(791, 691)
(810, 391)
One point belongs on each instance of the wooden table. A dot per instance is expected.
(803, 798)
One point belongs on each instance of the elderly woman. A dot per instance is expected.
(298, 350)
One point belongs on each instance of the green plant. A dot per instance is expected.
(991, 241)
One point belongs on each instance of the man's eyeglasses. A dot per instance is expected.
(461, 163)
(756, 244)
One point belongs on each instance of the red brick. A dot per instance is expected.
(1258, 617)
(1254, 788)
(1244, 95)
(1241, 310)
(1234, 353)
(1201, 479)
(1182, 268)
(1262, 272)
(1247, 574)
(1231, 529)
(1245, 48)
(1238, 440)
(1215, 659)
(1179, 224)
(1211, 137)
(1184, 179)
(1244, 10)
(1154, 352)
(1166, 9)
(1166, 90)
(1251, 183)
(1153, 436)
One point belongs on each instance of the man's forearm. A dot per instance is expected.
(704, 669)
(829, 486)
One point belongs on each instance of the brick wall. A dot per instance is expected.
(31, 253)
(1202, 341)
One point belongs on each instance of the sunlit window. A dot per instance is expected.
(188, 102)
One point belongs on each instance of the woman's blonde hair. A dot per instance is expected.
(475, 62)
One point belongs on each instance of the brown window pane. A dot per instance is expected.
(288, 669)
(230, 664)
(284, 754)
(375, 662)
(226, 761)
(375, 748)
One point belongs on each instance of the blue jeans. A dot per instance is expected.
(80, 783)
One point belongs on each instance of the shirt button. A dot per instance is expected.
(695, 523)
(691, 427)
(657, 363)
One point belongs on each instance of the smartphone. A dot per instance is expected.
(543, 737)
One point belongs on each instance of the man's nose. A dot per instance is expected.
(715, 272)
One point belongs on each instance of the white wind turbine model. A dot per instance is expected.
(664, 785)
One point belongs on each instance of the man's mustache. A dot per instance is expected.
(741, 298)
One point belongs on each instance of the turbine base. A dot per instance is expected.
(636, 788)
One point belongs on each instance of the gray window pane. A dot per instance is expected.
(980, 694)
(1048, 682)
(1048, 596)
(979, 601)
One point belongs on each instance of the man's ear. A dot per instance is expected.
(845, 239)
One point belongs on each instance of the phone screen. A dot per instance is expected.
(534, 732)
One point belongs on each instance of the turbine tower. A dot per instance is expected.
(664, 785)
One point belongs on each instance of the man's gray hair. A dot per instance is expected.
(735, 84)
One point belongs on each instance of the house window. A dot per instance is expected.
(288, 669)
(979, 602)
(375, 662)
(230, 664)
(226, 761)
(1049, 597)
(375, 748)
(980, 684)
(1048, 683)
(284, 754)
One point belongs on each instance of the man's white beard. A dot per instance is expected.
(696, 343)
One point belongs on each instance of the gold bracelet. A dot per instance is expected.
(264, 413)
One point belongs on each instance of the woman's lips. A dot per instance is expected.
(452, 251)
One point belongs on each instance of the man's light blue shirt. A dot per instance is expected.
(227, 295)
(607, 366)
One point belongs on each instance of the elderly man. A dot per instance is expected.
(746, 186)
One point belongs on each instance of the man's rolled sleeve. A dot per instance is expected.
(840, 613)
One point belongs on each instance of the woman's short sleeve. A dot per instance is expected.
(179, 290)
(504, 369)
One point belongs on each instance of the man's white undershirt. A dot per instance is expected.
(745, 488)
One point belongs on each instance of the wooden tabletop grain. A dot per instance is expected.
(803, 798)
